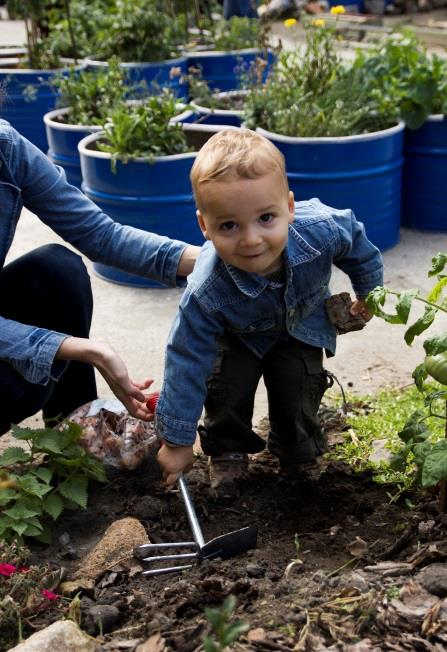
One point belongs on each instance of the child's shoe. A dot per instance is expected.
(227, 469)
(295, 472)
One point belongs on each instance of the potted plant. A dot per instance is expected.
(146, 39)
(414, 83)
(85, 100)
(233, 46)
(339, 145)
(212, 106)
(27, 80)
(137, 171)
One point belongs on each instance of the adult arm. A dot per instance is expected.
(46, 192)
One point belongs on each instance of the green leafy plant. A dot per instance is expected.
(311, 92)
(92, 94)
(40, 54)
(39, 483)
(405, 79)
(238, 34)
(139, 31)
(74, 32)
(224, 630)
(429, 456)
(144, 130)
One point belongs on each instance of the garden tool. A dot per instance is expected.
(222, 547)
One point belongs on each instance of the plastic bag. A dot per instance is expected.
(113, 436)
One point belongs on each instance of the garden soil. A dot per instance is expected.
(336, 566)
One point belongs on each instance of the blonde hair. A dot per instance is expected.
(236, 153)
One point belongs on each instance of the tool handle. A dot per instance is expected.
(190, 512)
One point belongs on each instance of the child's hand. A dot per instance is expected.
(359, 307)
(174, 461)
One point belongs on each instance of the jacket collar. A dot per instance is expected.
(297, 251)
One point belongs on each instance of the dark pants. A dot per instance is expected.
(242, 8)
(295, 381)
(48, 288)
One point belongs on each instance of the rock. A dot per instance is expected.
(380, 452)
(115, 547)
(255, 570)
(434, 579)
(61, 635)
(82, 585)
(101, 618)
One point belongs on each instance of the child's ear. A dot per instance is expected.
(291, 204)
(202, 224)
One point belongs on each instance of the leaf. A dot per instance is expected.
(436, 344)
(435, 465)
(24, 433)
(19, 527)
(376, 298)
(404, 302)
(6, 495)
(53, 505)
(43, 473)
(420, 325)
(45, 536)
(32, 531)
(13, 455)
(419, 375)
(438, 263)
(20, 512)
(75, 489)
(31, 485)
(436, 291)
(47, 442)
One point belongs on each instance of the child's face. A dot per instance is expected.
(247, 220)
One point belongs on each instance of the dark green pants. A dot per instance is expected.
(295, 381)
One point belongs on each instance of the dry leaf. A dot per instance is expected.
(358, 547)
(257, 634)
(154, 643)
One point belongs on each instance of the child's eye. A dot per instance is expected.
(227, 226)
(266, 218)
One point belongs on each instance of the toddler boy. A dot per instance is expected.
(255, 306)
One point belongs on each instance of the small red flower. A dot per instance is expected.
(7, 569)
(49, 595)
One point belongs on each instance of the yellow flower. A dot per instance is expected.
(338, 9)
(318, 22)
(290, 22)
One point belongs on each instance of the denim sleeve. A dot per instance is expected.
(356, 255)
(190, 355)
(30, 351)
(64, 208)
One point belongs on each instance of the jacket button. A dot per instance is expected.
(291, 312)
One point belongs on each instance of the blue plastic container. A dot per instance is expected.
(153, 197)
(63, 140)
(424, 196)
(219, 116)
(221, 70)
(29, 95)
(170, 73)
(361, 172)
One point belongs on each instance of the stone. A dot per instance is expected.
(434, 579)
(61, 635)
(115, 547)
(101, 619)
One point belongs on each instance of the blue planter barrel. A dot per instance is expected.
(169, 73)
(221, 70)
(25, 112)
(154, 197)
(361, 172)
(218, 116)
(63, 140)
(424, 195)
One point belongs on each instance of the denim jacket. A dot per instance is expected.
(220, 297)
(28, 178)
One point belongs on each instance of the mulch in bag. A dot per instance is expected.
(113, 436)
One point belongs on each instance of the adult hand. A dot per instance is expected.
(174, 461)
(113, 370)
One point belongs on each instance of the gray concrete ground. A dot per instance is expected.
(136, 321)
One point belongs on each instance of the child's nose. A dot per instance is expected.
(250, 237)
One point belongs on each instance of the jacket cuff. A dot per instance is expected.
(175, 431)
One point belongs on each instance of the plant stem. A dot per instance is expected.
(443, 483)
(70, 30)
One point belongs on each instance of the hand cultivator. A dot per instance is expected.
(222, 547)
